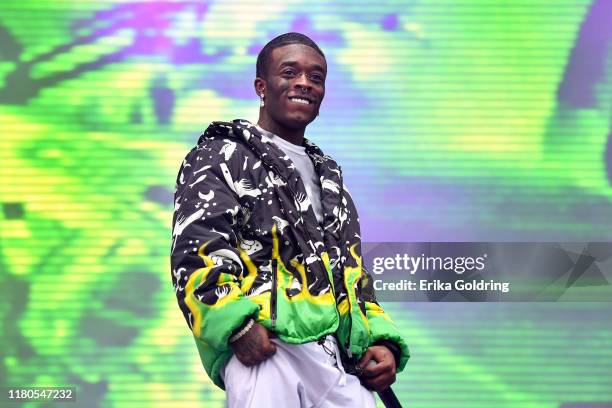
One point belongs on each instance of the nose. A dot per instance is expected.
(302, 82)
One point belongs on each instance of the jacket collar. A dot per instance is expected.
(325, 166)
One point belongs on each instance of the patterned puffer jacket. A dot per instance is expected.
(246, 243)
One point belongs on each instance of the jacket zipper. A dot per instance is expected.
(295, 199)
(273, 293)
(306, 229)
(347, 345)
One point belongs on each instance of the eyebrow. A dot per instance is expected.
(294, 63)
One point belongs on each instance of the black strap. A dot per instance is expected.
(389, 399)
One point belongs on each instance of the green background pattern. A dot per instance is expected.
(452, 120)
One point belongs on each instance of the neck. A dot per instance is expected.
(295, 136)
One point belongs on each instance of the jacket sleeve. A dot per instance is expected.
(206, 266)
(383, 330)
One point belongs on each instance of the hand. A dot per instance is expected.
(254, 347)
(381, 375)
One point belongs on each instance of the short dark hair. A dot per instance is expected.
(263, 59)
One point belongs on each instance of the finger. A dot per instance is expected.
(255, 360)
(247, 361)
(250, 359)
(379, 383)
(377, 369)
(267, 350)
(366, 357)
(372, 383)
(270, 349)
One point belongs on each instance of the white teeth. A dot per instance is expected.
(300, 100)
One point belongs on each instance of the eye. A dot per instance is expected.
(289, 72)
(316, 77)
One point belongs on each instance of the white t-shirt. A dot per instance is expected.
(305, 168)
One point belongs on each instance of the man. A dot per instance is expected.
(266, 253)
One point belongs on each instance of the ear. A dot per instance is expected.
(260, 85)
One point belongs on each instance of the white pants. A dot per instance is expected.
(297, 375)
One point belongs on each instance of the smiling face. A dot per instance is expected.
(294, 87)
